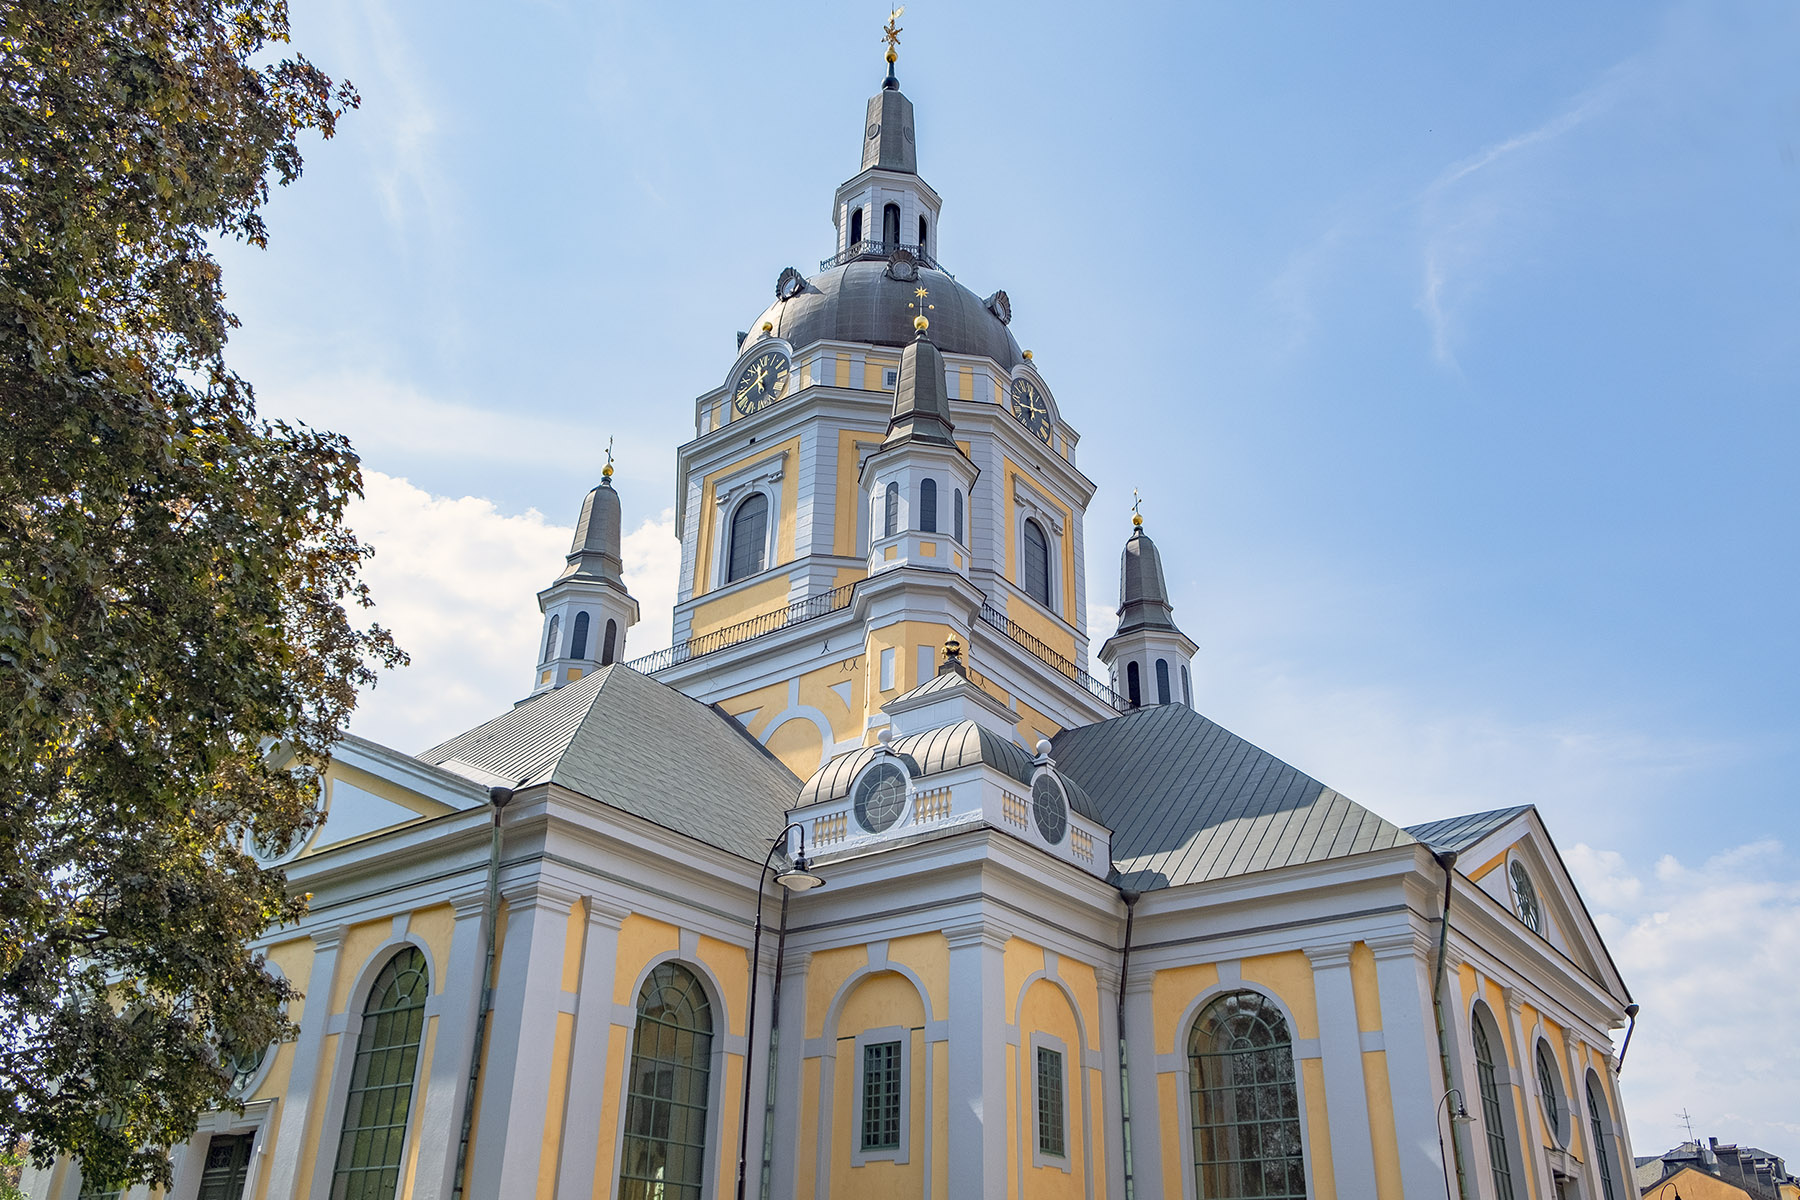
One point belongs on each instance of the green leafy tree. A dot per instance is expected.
(177, 584)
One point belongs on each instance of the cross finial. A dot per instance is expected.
(1137, 516)
(890, 33)
(606, 472)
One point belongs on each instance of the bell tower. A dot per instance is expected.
(1148, 655)
(885, 207)
(587, 610)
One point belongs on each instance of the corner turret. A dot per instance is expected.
(587, 610)
(1148, 655)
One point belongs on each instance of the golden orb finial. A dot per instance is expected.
(920, 323)
(1028, 356)
(768, 327)
(1137, 517)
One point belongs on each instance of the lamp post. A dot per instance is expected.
(1669, 1185)
(1459, 1116)
(797, 878)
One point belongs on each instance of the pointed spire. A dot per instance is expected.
(921, 398)
(594, 552)
(888, 129)
(1143, 593)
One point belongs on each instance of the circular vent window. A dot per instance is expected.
(881, 797)
(1049, 808)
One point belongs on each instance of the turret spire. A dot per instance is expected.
(1148, 655)
(921, 398)
(587, 610)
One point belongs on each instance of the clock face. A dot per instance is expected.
(761, 383)
(1029, 405)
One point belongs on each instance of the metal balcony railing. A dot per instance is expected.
(1044, 654)
(868, 249)
(800, 611)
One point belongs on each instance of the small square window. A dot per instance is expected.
(881, 1096)
(890, 378)
(1050, 1102)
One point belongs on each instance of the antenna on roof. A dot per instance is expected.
(1688, 1121)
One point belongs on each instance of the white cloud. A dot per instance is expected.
(1712, 953)
(457, 580)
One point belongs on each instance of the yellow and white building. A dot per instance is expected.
(1074, 939)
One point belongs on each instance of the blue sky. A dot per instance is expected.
(1456, 354)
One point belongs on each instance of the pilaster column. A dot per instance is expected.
(1581, 1129)
(1139, 1019)
(1109, 1033)
(515, 1085)
(1536, 1160)
(588, 1058)
(1462, 1075)
(440, 1113)
(310, 1079)
(1409, 1037)
(978, 1006)
(784, 1154)
(1340, 1049)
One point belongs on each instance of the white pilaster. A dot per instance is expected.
(977, 1058)
(1146, 1119)
(1536, 1160)
(440, 1115)
(1340, 1049)
(587, 1060)
(1409, 1037)
(310, 1080)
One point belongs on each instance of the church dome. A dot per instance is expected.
(859, 302)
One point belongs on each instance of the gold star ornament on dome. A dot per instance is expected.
(920, 322)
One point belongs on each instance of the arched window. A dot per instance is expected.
(1035, 574)
(552, 637)
(667, 1092)
(890, 224)
(610, 646)
(927, 506)
(1550, 1093)
(1245, 1107)
(855, 227)
(957, 513)
(1133, 692)
(1187, 687)
(1602, 1138)
(1493, 1117)
(578, 637)
(379, 1102)
(1162, 681)
(890, 515)
(749, 533)
(921, 231)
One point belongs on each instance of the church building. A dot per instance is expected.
(869, 887)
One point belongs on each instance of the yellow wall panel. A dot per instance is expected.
(1085, 987)
(816, 692)
(1022, 959)
(1046, 1009)
(799, 745)
(1177, 1142)
(1290, 977)
(640, 940)
(574, 944)
(1367, 989)
(353, 955)
(1009, 469)
(771, 595)
(1034, 724)
(550, 1148)
(606, 1167)
(1171, 992)
(731, 966)
(806, 1165)
(1384, 1138)
(772, 700)
(1318, 1129)
(309, 1152)
(883, 999)
(825, 974)
(927, 955)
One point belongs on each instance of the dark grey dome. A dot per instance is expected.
(857, 302)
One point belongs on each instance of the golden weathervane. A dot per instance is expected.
(607, 472)
(890, 33)
(1137, 517)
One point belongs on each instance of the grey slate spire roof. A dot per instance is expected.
(1143, 594)
(642, 747)
(594, 553)
(921, 398)
(1189, 801)
(888, 131)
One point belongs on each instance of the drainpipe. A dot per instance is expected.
(498, 799)
(1631, 1010)
(1447, 860)
(1130, 898)
(774, 1048)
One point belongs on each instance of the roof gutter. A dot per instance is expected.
(1447, 860)
(499, 798)
(1130, 898)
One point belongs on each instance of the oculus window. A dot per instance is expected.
(881, 1096)
(668, 1090)
(1244, 1104)
(381, 1082)
(1526, 899)
(749, 537)
(1049, 809)
(880, 797)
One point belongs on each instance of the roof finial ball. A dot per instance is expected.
(768, 327)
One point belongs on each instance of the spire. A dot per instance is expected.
(594, 552)
(587, 610)
(1143, 594)
(921, 399)
(888, 129)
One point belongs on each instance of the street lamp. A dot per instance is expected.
(1460, 1116)
(798, 877)
(1659, 1191)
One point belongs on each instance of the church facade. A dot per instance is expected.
(1073, 939)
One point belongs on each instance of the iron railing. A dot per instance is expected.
(868, 249)
(824, 604)
(1044, 654)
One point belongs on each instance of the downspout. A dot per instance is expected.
(498, 798)
(1447, 860)
(1130, 898)
(1631, 1010)
(774, 1047)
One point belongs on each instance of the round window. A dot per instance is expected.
(1526, 896)
(881, 797)
(1049, 808)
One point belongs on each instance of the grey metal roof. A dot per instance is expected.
(929, 753)
(640, 746)
(1143, 593)
(1188, 800)
(1459, 833)
(888, 131)
(594, 552)
(921, 399)
(858, 302)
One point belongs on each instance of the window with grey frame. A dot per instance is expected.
(1162, 681)
(881, 1096)
(890, 512)
(1493, 1117)
(1244, 1103)
(956, 512)
(668, 1090)
(379, 1101)
(927, 506)
(227, 1167)
(1035, 572)
(749, 538)
(1549, 1092)
(578, 636)
(1052, 1136)
(1133, 691)
(610, 646)
(1602, 1141)
(551, 637)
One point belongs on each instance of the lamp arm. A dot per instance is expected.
(762, 881)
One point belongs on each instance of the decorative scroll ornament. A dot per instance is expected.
(1001, 306)
(791, 284)
(903, 265)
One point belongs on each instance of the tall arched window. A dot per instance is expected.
(578, 637)
(381, 1082)
(610, 646)
(890, 223)
(667, 1092)
(921, 231)
(855, 227)
(890, 514)
(1162, 681)
(1245, 1107)
(957, 514)
(1134, 692)
(927, 506)
(1602, 1138)
(1493, 1117)
(749, 534)
(552, 637)
(1035, 574)
(1187, 687)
